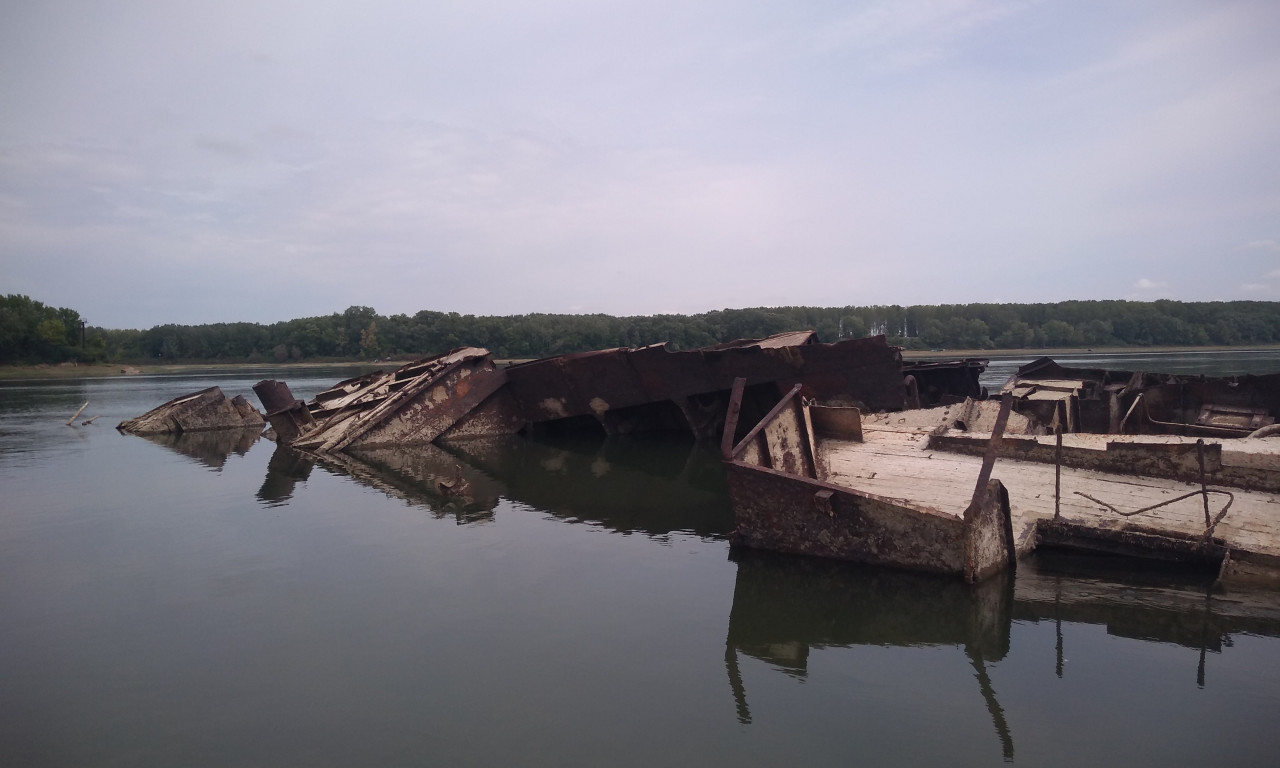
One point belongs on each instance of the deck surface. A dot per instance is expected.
(896, 464)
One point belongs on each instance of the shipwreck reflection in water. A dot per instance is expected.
(425, 476)
(285, 470)
(649, 487)
(786, 607)
(628, 485)
(210, 448)
(1142, 601)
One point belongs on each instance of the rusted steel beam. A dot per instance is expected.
(760, 427)
(731, 418)
(993, 450)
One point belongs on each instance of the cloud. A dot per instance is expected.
(1274, 274)
(905, 34)
(490, 158)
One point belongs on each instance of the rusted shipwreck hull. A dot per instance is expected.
(206, 410)
(412, 405)
(1136, 402)
(616, 391)
(783, 497)
(907, 489)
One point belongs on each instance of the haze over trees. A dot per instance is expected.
(32, 332)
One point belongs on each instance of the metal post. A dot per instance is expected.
(1057, 475)
(1204, 491)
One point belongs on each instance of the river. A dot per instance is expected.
(214, 602)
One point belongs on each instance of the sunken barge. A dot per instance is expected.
(465, 394)
(845, 451)
(1179, 469)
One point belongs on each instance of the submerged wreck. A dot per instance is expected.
(1135, 402)
(464, 394)
(844, 451)
(968, 489)
(203, 411)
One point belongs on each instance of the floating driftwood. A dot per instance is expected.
(77, 413)
(197, 412)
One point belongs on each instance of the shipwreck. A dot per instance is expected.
(203, 411)
(968, 489)
(465, 394)
(843, 450)
(1104, 401)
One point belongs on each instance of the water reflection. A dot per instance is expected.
(647, 486)
(784, 608)
(210, 448)
(1141, 601)
(285, 470)
(423, 475)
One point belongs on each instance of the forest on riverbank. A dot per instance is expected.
(31, 332)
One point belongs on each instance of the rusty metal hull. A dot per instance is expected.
(201, 411)
(610, 385)
(1137, 402)
(785, 513)
(413, 405)
(464, 395)
(940, 382)
(782, 502)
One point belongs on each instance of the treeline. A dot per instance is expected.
(33, 332)
(30, 331)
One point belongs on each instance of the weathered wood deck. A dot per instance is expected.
(898, 464)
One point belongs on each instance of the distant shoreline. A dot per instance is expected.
(104, 370)
(926, 354)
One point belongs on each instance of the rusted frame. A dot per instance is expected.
(993, 450)
(980, 492)
(366, 420)
(1194, 428)
(760, 426)
(1057, 468)
(731, 418)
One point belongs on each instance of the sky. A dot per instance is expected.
(199, 162)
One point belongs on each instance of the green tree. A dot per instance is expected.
(369, 346)
(51, 332)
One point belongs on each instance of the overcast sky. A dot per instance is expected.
(196, 162)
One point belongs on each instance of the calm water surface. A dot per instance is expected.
(215, 602)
